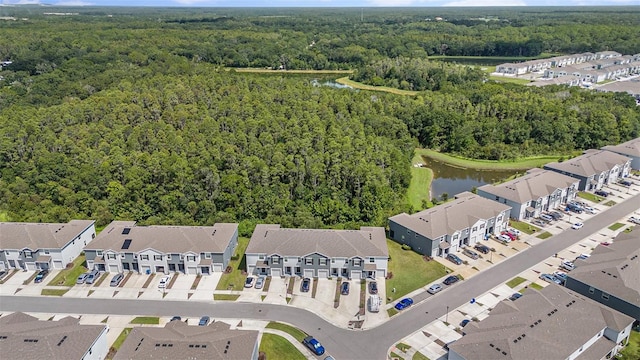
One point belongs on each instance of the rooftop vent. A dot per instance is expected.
(62, 340)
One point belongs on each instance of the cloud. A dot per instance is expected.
(73, 3)
(486, 3)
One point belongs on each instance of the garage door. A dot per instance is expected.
(380, 274)
(113, 268)
(276, 272)
(217, 267)
(308, 273)
(57, 264)
(323, 274)
(192, 270)
(356, 275)
(146, 269)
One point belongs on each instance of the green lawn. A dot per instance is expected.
(121, 338)
(544, 235)
(418, 191)
(589, 196)
(632, 350)
(68, 277)
(148, 320)
(520, 164)
(403, 347)
(410, 271)
(226, 297)
(536, 286)
(610, 203)
(515, 282)
(235, 280)
(54, 292)
(277, 347)
(523, 226)
(616, 226)
(509, 79)
(356, 85)
(391, 311)
(293, 331)
(419, 356)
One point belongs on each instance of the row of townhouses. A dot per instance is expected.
(603, 57)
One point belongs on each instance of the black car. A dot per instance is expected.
(304, 287)
(601, 193)
(175, 318)
(41, 275)
(626, 183)
(450, 280)
(454, 259)
(344, 288)
(373, 287)
(464, 322)
(515, 296)
(482, 248)
(204, 321)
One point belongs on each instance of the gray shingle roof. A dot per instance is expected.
(62, 339)
(591, 163)
(614, 269)
(452, 216)
(631, 147)
(18, 236)
(271, 239)
(168, 239)
(177, 340)
(547, 324)
(535, 184)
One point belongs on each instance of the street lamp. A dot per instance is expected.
(447, 316)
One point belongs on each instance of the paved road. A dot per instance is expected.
(341, 343)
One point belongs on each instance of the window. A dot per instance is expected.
(357, 262)
(275, 260)
(207, 255)
(111, 256)
(455, 237)
(323, 261)
(93, 236)
(333, 261)
(605, 296)
(144, 257)
(169, 257)
(475, 228)
(6, 252)
(122, 256)
(99, 253)
(308, 261)
(157, 257)
(261, 257)
(591, 290)
(28, 254)
(191, 258)
(46, 252)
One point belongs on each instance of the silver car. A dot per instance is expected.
(115, 281)
(259, 283)
(82, 278)
(435, 288)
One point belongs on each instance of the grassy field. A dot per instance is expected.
(148, 320)
(68, 277)
(356, 85)
(616, 226)
(392, 311)
(293, 331)
(632, 350)
(419, 356)
(589, 196)
(420, 185)
(54, 292)
(523, 226)
(225, 297)
(271, 71)
(544, 235)
(235, 279)
(410, 271)
(535, 286)
(515, 282)
(521, 164)
(277, 347)
(121, 338)
(509, 79)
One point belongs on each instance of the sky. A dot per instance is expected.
(326, 3)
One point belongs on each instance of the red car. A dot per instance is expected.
(511, 236)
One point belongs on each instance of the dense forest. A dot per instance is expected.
(138, 115)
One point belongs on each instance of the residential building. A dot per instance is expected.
(631, 87)
(446, 228)
(124, 246)
(512, 69)
(630, 148)
(177, 340)
(32, 246)
(611, 275)
(553, 323)
(24, 337)
(533, 193)
(594, 168)
(607, 54)
(322, 253)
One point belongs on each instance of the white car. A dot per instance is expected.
(590, 210)
(504, 238)
(577, 226)
(514, 231)
(567, 265)
(164, 281)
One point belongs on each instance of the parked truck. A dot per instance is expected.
(374, 303)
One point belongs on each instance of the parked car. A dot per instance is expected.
(92, 277)
(556, 215)
(306, 283)
(514, 231)
(115, 281)
(450, 280)
(515, 296)
(550, 278)
(41, 275)
(561, 275)
(470, 253)
(546, 217)
(176, 318)
(164, 281)
(435, 288)
(605, 243)
(539, 223)
(511, 236)
(482, 248)
(454, 259)
(504, 238)
(248, 282)
(204, 321)
(259, 282)
(635, 220)
(601, 193)
(464, 322)
(577, 226)
(313, 345)
(373, 287)
(344, 288)
(82, 278)
(404, 303)
(626, 183)
(568, 265)
(583, 257)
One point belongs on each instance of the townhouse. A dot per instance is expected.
(610, 275)
(630, 149)
(553, 323)
(24, 337)
(177, 340)
(355, 254)
(594, 168)
(534, 193)
(124, 246)
(32, 246)
(446, 228)
(512, 69)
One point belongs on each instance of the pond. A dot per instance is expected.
(453, 180)
(332, 84)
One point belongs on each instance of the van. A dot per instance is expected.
(93, 276)
(546, 218)
(374, 303)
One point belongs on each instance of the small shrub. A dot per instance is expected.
(389, 275)
(70, 265)
(228, 270)
(406, 247)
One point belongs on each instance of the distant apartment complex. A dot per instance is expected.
(594, 168)
(124, 246)
(630, 149)
(446, 228)
(534, 193)
(355, 254)
(32, 246)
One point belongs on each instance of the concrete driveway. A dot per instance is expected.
(277, 293)
(325, 291)
(350, 304)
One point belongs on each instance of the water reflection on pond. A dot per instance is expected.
(332, 84)
(454, 180)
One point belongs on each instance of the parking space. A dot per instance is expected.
(297, 291)
(209, 282)
(136, 281)
(277, 291)
(350, 304)
(326, 290)
(183, 282)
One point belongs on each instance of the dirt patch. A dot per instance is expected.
(290, 286)
(315, 288)
(149, 280)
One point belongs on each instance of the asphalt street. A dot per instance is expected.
(339, 342)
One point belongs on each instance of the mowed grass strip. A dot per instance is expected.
(146, 320)
(356, 85)
(235, 279)
(418, 193)
(68, 277)
(54, 292)
(293, 331)
(465, 163)
(515, 282)
(616, 226)
(276, 347)
(410, 271)
(225, 297)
